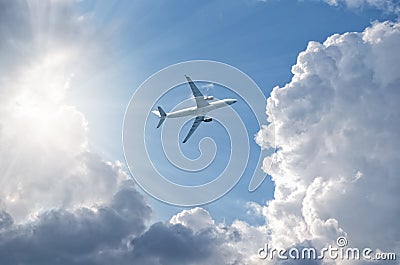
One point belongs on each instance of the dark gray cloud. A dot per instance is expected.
(112, 234)
(74, 237)
(173, 244)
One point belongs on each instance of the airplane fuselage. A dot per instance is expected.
(203, 106)
(195, 111)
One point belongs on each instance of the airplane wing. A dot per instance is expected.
(196, 124)
(200, 101)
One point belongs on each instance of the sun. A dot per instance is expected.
(39, 106)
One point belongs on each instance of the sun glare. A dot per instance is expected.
(39, 103)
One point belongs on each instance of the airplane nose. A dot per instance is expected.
(230, 101)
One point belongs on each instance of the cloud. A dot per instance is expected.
(182, 242)
(387, 6)
(336, 128)
(390, 6)
(45, 159)
(116, 233)
(196, 218)
(174, 244)
(75, 237)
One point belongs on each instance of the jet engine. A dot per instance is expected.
(207, 119)
(208, 97)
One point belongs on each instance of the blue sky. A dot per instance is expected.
(68, 69)
(263, 39)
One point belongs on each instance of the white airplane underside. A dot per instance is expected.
(199, 111)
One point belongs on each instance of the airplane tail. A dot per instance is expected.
(162, 116)
(162, 112)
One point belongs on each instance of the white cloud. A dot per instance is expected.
(336, 126)
(391, 6)
(387, 6)
(45, 160)
(195, 218)
(234, 244)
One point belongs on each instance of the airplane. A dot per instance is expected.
(203, 106)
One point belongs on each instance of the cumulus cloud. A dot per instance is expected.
(196, 218)
(337, 132)
(75, 237)
(336, 126)
(45, 161)
(116, 233)
(212, 244)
